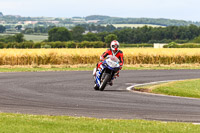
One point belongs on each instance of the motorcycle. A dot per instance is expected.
(106, 73)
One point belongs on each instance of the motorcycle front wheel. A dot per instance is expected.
(96, 87)
(104, 82)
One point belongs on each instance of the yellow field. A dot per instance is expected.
(91, 56)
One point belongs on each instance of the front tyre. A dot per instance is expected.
(96, 87)
(104, 82)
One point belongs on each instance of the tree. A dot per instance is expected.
(102, 35)
(109, 38)
(77, 33)
(40, 29)
(91, 37)
(194, 30)
(59, 34)
(19, 37)
(125, 35)
(110, 28)
(18, 27)
(50, 27)
(28, 31)
(2, 29)
(196, 40)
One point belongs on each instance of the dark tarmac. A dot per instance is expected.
(71, 93)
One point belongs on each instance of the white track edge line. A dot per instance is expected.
(157, 82)
(150, 83)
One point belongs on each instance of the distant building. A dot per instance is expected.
(92, 21)
(159, 45)
(2, 22)
(53, 22)
(89, 31)
(19, 22)
(30, 22)
(77, 21)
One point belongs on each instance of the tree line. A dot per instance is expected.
(179, 34)
(12, 38)
(57, 44)
(37, 29)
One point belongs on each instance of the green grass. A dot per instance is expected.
(20, 123)
(185, 88)
(188, 88)
(36, 38)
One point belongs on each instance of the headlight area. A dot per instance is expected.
(112, 64)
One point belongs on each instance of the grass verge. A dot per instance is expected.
(186, 88)
(21, 123)
(89, 67)
(38, 69)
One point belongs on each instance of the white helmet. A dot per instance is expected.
(114, 45)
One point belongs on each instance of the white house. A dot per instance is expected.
(159, 45)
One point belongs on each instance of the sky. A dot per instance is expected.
(171, 9)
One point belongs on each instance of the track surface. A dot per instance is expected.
(71, 93)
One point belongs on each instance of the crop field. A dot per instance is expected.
(91, 56)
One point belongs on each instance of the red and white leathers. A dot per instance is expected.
(114, 50)
(118, 54)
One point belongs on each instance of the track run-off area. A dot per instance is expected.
(71, 93)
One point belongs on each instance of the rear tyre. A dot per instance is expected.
(104, 82)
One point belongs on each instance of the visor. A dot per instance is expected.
(115, 46)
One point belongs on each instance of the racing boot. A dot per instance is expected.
(111, 83)
(94, 72)
(96, 69)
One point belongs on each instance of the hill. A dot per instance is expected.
(11, 21)
(154, 21)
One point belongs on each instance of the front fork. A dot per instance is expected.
(98, 75)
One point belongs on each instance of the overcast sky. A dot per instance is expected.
(172, 9)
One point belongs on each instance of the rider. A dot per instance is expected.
(114, 50)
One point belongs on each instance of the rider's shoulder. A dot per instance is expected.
(120, 52)
(108, 50)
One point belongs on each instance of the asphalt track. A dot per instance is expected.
(71, 93)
